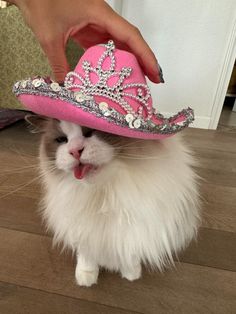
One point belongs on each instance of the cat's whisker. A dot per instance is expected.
(18, 171)
(138, 157)
(129, 148)
(124, 148)
(48, 162)
(31, 167)
(20, 187)
(129, 145)
(22, 154)
(24, 167)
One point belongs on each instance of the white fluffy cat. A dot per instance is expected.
(117, 202)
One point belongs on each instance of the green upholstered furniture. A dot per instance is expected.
(21, 55)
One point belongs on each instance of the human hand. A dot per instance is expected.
(89, 23)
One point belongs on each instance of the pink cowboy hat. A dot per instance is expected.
(107, 91)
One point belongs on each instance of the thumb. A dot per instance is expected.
(55, 52)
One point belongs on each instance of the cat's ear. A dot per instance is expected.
(37, 123)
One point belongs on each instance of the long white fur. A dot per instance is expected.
(133, 211)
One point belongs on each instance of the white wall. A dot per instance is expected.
(191, 40)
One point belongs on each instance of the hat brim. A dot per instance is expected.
(62, 105)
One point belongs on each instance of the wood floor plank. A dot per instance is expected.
(218, 208)
(19, 199)
(21, 213)
(216, 166)
(212, 248)
(18, 139)
(18, 172)
(216, 160)
(28, 260)
(210, 139)
(19, 186)
(19, 210)
(217, 177)
(17, 300)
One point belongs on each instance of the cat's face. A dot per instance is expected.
(81, 151)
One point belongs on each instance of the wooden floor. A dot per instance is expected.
(37, 278)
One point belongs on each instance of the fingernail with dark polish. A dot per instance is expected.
(160, 73)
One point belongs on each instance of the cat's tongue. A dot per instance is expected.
(81, 170)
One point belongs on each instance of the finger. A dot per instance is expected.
(125, 32)
(55, 52)
(90, 36)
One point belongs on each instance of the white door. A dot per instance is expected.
(195, 43)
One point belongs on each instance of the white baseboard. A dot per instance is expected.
(201, 123)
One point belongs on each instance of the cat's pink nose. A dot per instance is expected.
(76, 153)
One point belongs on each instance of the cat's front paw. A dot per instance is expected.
(132, 274)
(86, 278)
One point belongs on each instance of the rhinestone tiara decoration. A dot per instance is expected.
(116, 92)
(84, 98)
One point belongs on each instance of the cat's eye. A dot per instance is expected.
(61, 139)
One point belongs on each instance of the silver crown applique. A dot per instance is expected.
(116, 92)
